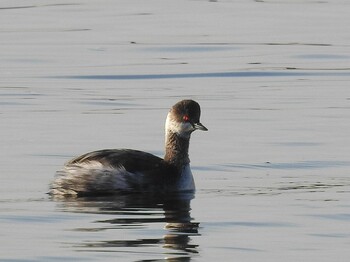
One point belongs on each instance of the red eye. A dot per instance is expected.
(186, 118)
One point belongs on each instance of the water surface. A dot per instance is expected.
(272, 173)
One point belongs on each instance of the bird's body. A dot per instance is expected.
(110, 171)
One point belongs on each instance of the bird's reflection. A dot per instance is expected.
(140, 211)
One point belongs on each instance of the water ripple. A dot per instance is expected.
(205, 75)
(293, 165)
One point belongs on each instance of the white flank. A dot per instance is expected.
(186, 182)
(92, 176)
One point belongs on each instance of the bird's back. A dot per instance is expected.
(131, 160)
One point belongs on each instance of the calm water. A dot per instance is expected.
(272, 173)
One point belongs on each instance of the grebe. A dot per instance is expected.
(110, 171)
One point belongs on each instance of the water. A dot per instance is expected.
(272, 173)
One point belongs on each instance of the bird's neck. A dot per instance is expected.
(176, 149)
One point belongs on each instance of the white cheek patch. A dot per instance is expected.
(180, 128)
(187, 127)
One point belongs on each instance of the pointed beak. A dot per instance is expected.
(199, 126)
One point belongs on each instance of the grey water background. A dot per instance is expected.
(272, 173)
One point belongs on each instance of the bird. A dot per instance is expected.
(112, 171)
